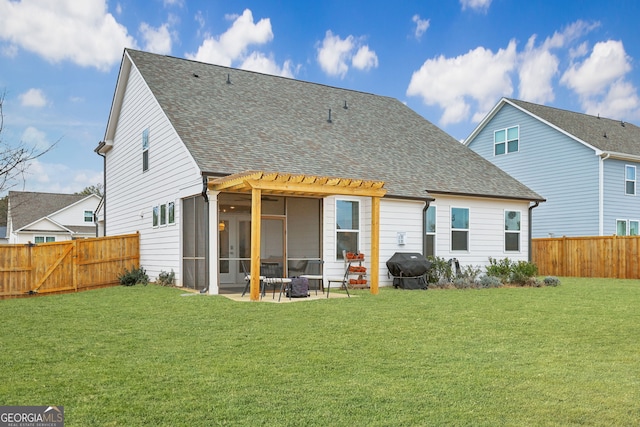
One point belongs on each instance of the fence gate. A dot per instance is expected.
(66, 266)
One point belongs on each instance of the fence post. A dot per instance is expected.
(74, 264)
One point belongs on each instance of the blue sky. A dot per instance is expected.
(451, 61)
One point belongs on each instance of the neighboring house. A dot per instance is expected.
(50, 217)
(218, 167)
(585, 166)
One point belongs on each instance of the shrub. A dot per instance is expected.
(440, 271)
(490, 282)
(522, 272)
(166, 279)
(551, 281)
(133, 277)
(499, 268)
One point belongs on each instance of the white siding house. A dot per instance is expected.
(221, 169)
(50, 217)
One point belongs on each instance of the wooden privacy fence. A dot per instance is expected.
(597, 256)
(68, 266)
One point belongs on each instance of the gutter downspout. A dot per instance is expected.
(531, 208)
(424, 227)
(104, 196)
(601, 193)
(205, 195)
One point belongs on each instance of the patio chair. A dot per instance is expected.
(247, 279)
(272, 273)
(313, 272)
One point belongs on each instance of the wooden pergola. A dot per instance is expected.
(258, 183)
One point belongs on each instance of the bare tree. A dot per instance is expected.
(14, 159)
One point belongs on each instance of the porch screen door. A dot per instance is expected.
(194, 236)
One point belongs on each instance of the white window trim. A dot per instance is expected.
(451, 229)
(145, 149)
(335, 223)
(635, 181)
(44, 238)
(626, 225)
(435, 225)
(84, 214)
(518, 232)
(506, 140)
(629, 227)
(155, 213)
(172, 202)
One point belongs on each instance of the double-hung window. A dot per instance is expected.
(145, 150)
(506, 140)
(630, 180)
(627, 227)
(347, 226)
(430, 232)
(459, 229)
(44, 239)
(512, 231)
(88, 216)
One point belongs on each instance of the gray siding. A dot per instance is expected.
(560, 169)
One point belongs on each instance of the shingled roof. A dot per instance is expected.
(27, 207)
(233, 121)
(607, 135)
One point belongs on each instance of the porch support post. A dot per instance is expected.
(375, 244)
(212, 256)
(256, 222)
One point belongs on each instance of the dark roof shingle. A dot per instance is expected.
(608, 135)
(27, 207)
(233, 120)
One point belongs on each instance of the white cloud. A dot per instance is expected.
(59, 178)
(600, 82)
(421, 26)
(607, 63)
(477, 5)
(451, 83)
(33, 98)
(537, 68)
(232, 45)
(260, 63)
(82, 32)
(539, 65)
(334, 54)
(365, 59)
(32, 137)
(157, 40)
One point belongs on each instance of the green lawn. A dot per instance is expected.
(137, 356)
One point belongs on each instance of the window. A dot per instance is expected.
(506, 140)
(627, 227)
(512, 231)
(88, 216)
(459, 229)
(44, 239)
(163, 214)
(171, 212)
(156, 216)
(145, 149)
(347, 226)
(630, 180)
(430, 232)
(621, 227)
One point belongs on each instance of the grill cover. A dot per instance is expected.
(409, 270)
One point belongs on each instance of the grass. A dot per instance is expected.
(137, 356)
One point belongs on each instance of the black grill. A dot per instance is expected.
(409, 270)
